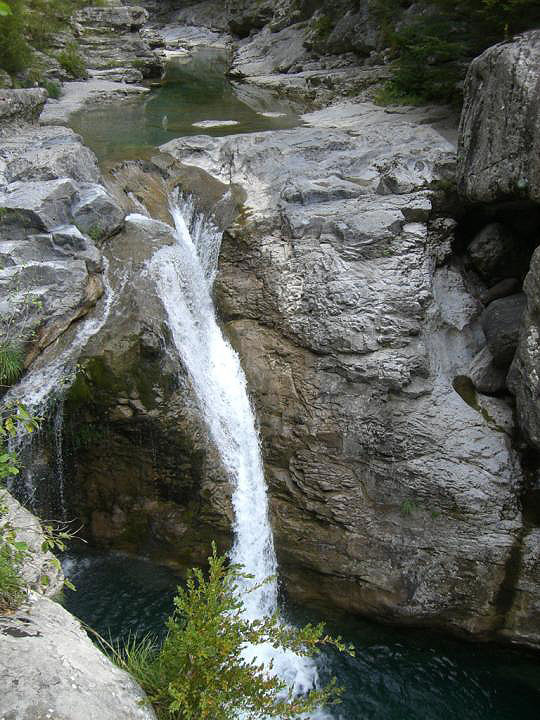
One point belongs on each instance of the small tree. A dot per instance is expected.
(200, 672)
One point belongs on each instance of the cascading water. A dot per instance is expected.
(184, 275)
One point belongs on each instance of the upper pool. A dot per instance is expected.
(194, 98)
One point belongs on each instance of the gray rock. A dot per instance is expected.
(120, 18)
(351, 340)
(502, 321)
(37, 564)
(523, 378)
(486, 377)
(47, 153)
(96, 212)
(491, 251)
(49, 200)
(499, 145)
(108, 38)
(50, 668)
(18, 106)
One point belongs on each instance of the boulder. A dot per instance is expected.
(499, 137)
(109, 39)
(486, 377)
(49, 668)
(502, 321)
(20, 106)
(96, 212)
(491, 251)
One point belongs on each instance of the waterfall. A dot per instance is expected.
(184, 275)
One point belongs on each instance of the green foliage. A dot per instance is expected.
(27, 24)
(15, 52)
(323, 26)
(53, 88)
(12, 554)
(200, 673)
(72, 62)
(11, 362)
(434, 49)
(95, 233)
(408, 507)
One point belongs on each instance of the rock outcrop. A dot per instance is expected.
(395, 489)
(49, 668)
(53, 211)
(500, 129)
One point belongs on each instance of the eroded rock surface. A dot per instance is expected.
(500, 159)
(49, 668)
(393, 494)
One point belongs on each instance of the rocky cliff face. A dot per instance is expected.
(395, 488)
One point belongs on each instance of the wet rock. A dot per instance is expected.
(502, 321)
(491, 251)
(499, 146)
(486, 377)
(96, 212)
(50, 668)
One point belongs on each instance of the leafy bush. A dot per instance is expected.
(72, 62)
(200, 673)
(52, 87)
(11, 557)
(15, 52)
(11, 362)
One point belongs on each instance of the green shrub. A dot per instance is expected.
(11, 362)
(72, 62)
(434, 50)
(15, 52)
(11, 583)
(53, 88)
(199, 673)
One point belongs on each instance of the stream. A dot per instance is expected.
(397, 674)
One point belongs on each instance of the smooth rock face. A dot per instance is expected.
(392, 494)
(499, 150)
(49, 668)
(502, 321)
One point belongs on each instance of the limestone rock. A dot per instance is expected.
(109, 38)
(502, 321)
(499, 147)
(352, 339)
(20, 106)
(38, 563)
(95, 210)
(485, 375)
(50, 668)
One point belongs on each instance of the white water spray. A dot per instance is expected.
(184, 274)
